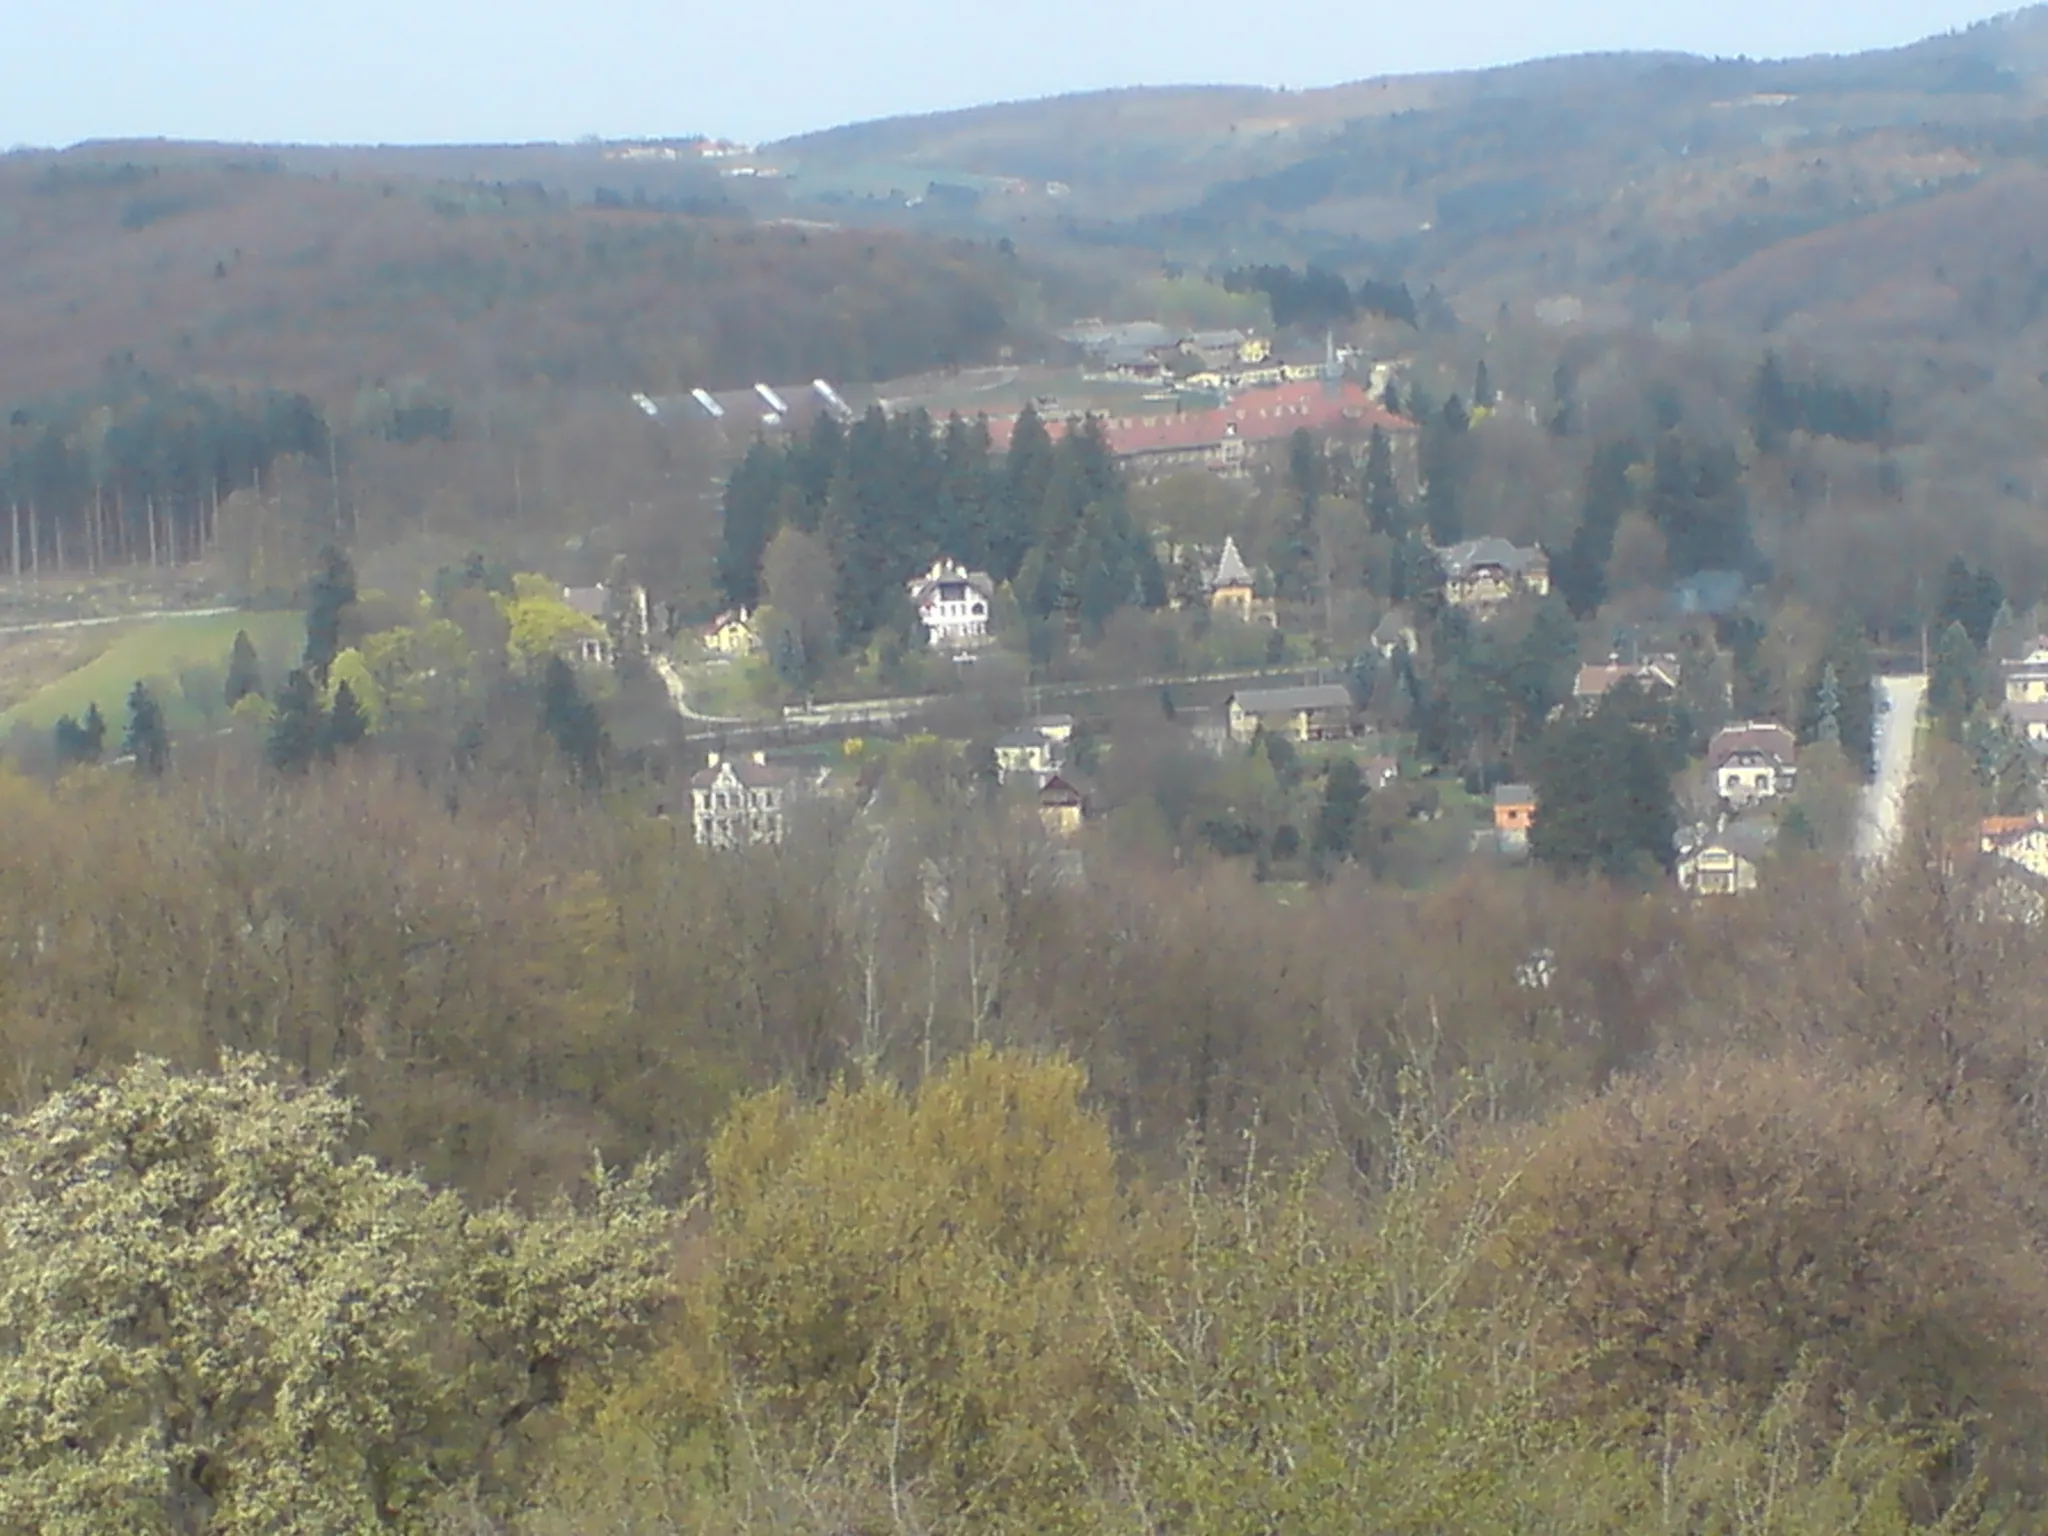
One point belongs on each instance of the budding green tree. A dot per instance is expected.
(214, 1320)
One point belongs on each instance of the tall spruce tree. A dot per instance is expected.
(1952, 679)
(572, 721)
(346, 723)
(93, 734)
(1378, 490)
(147, 741)
(753, 495)
(245, 670)
(298, 731)
(69, 742)
(1603, 799)
(1446, 454)
(333, 593)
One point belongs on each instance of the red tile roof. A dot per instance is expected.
(1256, 416)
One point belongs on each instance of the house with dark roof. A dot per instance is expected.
(1485, 572)
(1309, 712)
(953, 604)
(1753, 760)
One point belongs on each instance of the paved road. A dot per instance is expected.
(888, 711)
(1884, 801)
(51, 625)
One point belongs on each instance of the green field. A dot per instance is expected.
(159, 651)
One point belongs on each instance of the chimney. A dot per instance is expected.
(711, 759)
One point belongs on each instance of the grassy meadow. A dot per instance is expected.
(183, 659)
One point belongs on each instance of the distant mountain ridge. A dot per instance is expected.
(1630, 180)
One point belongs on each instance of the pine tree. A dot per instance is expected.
(333, 593)
(1378, 491)
(572, 721)
(1337, 818)
(753, 493)
(1603, 798)
(1015, 508)
(93, 734)
(298, 732)
(69, 742)
(1482, 387)
(147, 742)
(245, 671)
(346, 723)
(1952, 679)
(1445, 466)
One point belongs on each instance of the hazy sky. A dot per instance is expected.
(494, 70)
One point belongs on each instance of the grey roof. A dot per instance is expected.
(2026, 711)
(1513, 794)
(1231, 571)
(1746, 839)
(1023, 736)
(1287, 701)
(1461, 558)
(588, 601)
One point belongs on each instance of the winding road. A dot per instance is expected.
(1884, 801)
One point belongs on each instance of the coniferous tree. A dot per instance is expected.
(1483, 396)
(1337, 818)
(1952, 679)
(93, 734)
(1378, 491)
(753, 493)
(333, 593)
(1446, 466)
(298, 731)
(346, 723)
(69, 742)
(147, 741)
(1603, 798)
(245, 671)
(572, 721)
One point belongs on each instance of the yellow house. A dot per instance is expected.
(732, 634)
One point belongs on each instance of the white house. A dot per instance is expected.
(1754, 760)
(953, 604)
(735, 802)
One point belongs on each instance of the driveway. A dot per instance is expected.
(1884, 800)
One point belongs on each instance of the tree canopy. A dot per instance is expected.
(220, 1321)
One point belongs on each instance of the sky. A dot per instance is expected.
(477, 71)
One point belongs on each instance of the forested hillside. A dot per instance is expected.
(232, 268)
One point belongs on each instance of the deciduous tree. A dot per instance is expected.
(219, 1321)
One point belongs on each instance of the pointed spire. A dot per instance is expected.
(1231, 571)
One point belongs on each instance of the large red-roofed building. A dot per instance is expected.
(1225, 437)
